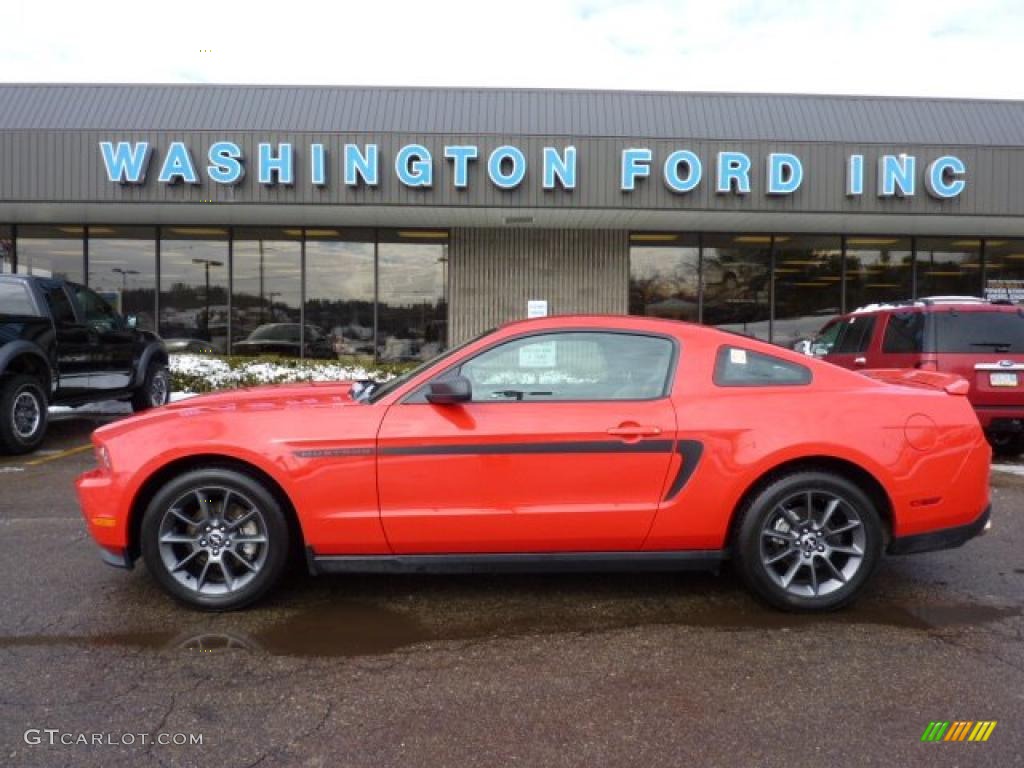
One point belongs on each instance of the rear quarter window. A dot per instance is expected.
(738, 367)
(16, 300)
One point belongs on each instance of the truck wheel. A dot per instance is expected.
(155, 390)
(22, 414)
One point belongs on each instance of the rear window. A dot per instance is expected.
(904, 333)
(736, 367)
(15, 299)
(979, 332)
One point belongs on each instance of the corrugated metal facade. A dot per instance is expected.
(494, 273)
(756, 117)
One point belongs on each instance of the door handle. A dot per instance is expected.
(860, 361)
(634, 430)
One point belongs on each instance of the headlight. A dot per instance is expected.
(103, 457)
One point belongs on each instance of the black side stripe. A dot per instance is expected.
(579, 446)
(691, 451)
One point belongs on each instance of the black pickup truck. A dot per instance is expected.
(63, 344)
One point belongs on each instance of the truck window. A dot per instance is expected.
(60, 306)
(855, 336)
(904, 333)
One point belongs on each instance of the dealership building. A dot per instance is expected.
(400, 221)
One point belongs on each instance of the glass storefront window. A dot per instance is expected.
(122, 269)
(948, 266)
(736, 283)
(664, 279)
(412, 314)
(6, 250)
(339, 290)
(878, 270)
(1004, 270)
(194, 284)
(808, 289)
(267, 299)
(52, 252)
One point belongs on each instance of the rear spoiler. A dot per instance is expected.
(909, 377)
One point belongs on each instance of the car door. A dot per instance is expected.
(852, 341)
(565, 446)
(76, 343)
(114, 348)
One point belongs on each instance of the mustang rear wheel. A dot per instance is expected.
(809, 542)
(215, 539)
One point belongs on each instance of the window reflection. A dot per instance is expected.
(6, 250)
(736, 283)
(948, 266)
(268, 295)
(194, 286)
(878, 269)
(52, 252)
(412, 294)
(1004, 270)
(339, 289)
(122, 269)
(808, 290)
(664, 275)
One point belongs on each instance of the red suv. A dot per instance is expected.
(980, 340)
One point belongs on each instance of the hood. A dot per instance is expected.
(246, 399)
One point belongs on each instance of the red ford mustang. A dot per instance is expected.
(560, 443)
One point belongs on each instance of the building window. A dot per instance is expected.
(736, 283)
(1004, 270)
(6, 250)
(267, 298)
(878, 270)
(412, 291)
(52, 252)
(194, 285)
(122, 269)
(808, 286)
(664, 279)
(948, 266)
(339, 289)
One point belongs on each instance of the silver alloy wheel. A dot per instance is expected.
(813, 543)
(26, 415)
(213, 540)
(158, 389)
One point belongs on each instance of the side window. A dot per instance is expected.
(856, 335)
(97, 312)
(736, 367)
(825, 343)
(572, 366)
(16, 300)
(60, 305)
(904, 333)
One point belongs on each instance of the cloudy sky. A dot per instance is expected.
(898, 47)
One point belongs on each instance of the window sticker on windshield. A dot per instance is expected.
(738, 356)
(541, 355)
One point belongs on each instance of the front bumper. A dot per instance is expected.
(946, 538)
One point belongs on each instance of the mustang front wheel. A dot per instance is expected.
(809, 542)
(215, 539)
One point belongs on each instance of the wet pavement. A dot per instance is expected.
(623, 669)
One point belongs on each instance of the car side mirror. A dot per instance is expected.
(450, 391)
(132, 321)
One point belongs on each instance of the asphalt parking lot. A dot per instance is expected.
(656, 670)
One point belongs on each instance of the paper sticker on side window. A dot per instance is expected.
(539, 355)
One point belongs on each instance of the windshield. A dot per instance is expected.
(375, 392)
(276, 332)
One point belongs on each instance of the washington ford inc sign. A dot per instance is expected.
(414, 166)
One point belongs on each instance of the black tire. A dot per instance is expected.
(1006, 444)
(186, 583)
(773, 523)
(155, 390)
(23, 414)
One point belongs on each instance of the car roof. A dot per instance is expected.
(936, 303)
